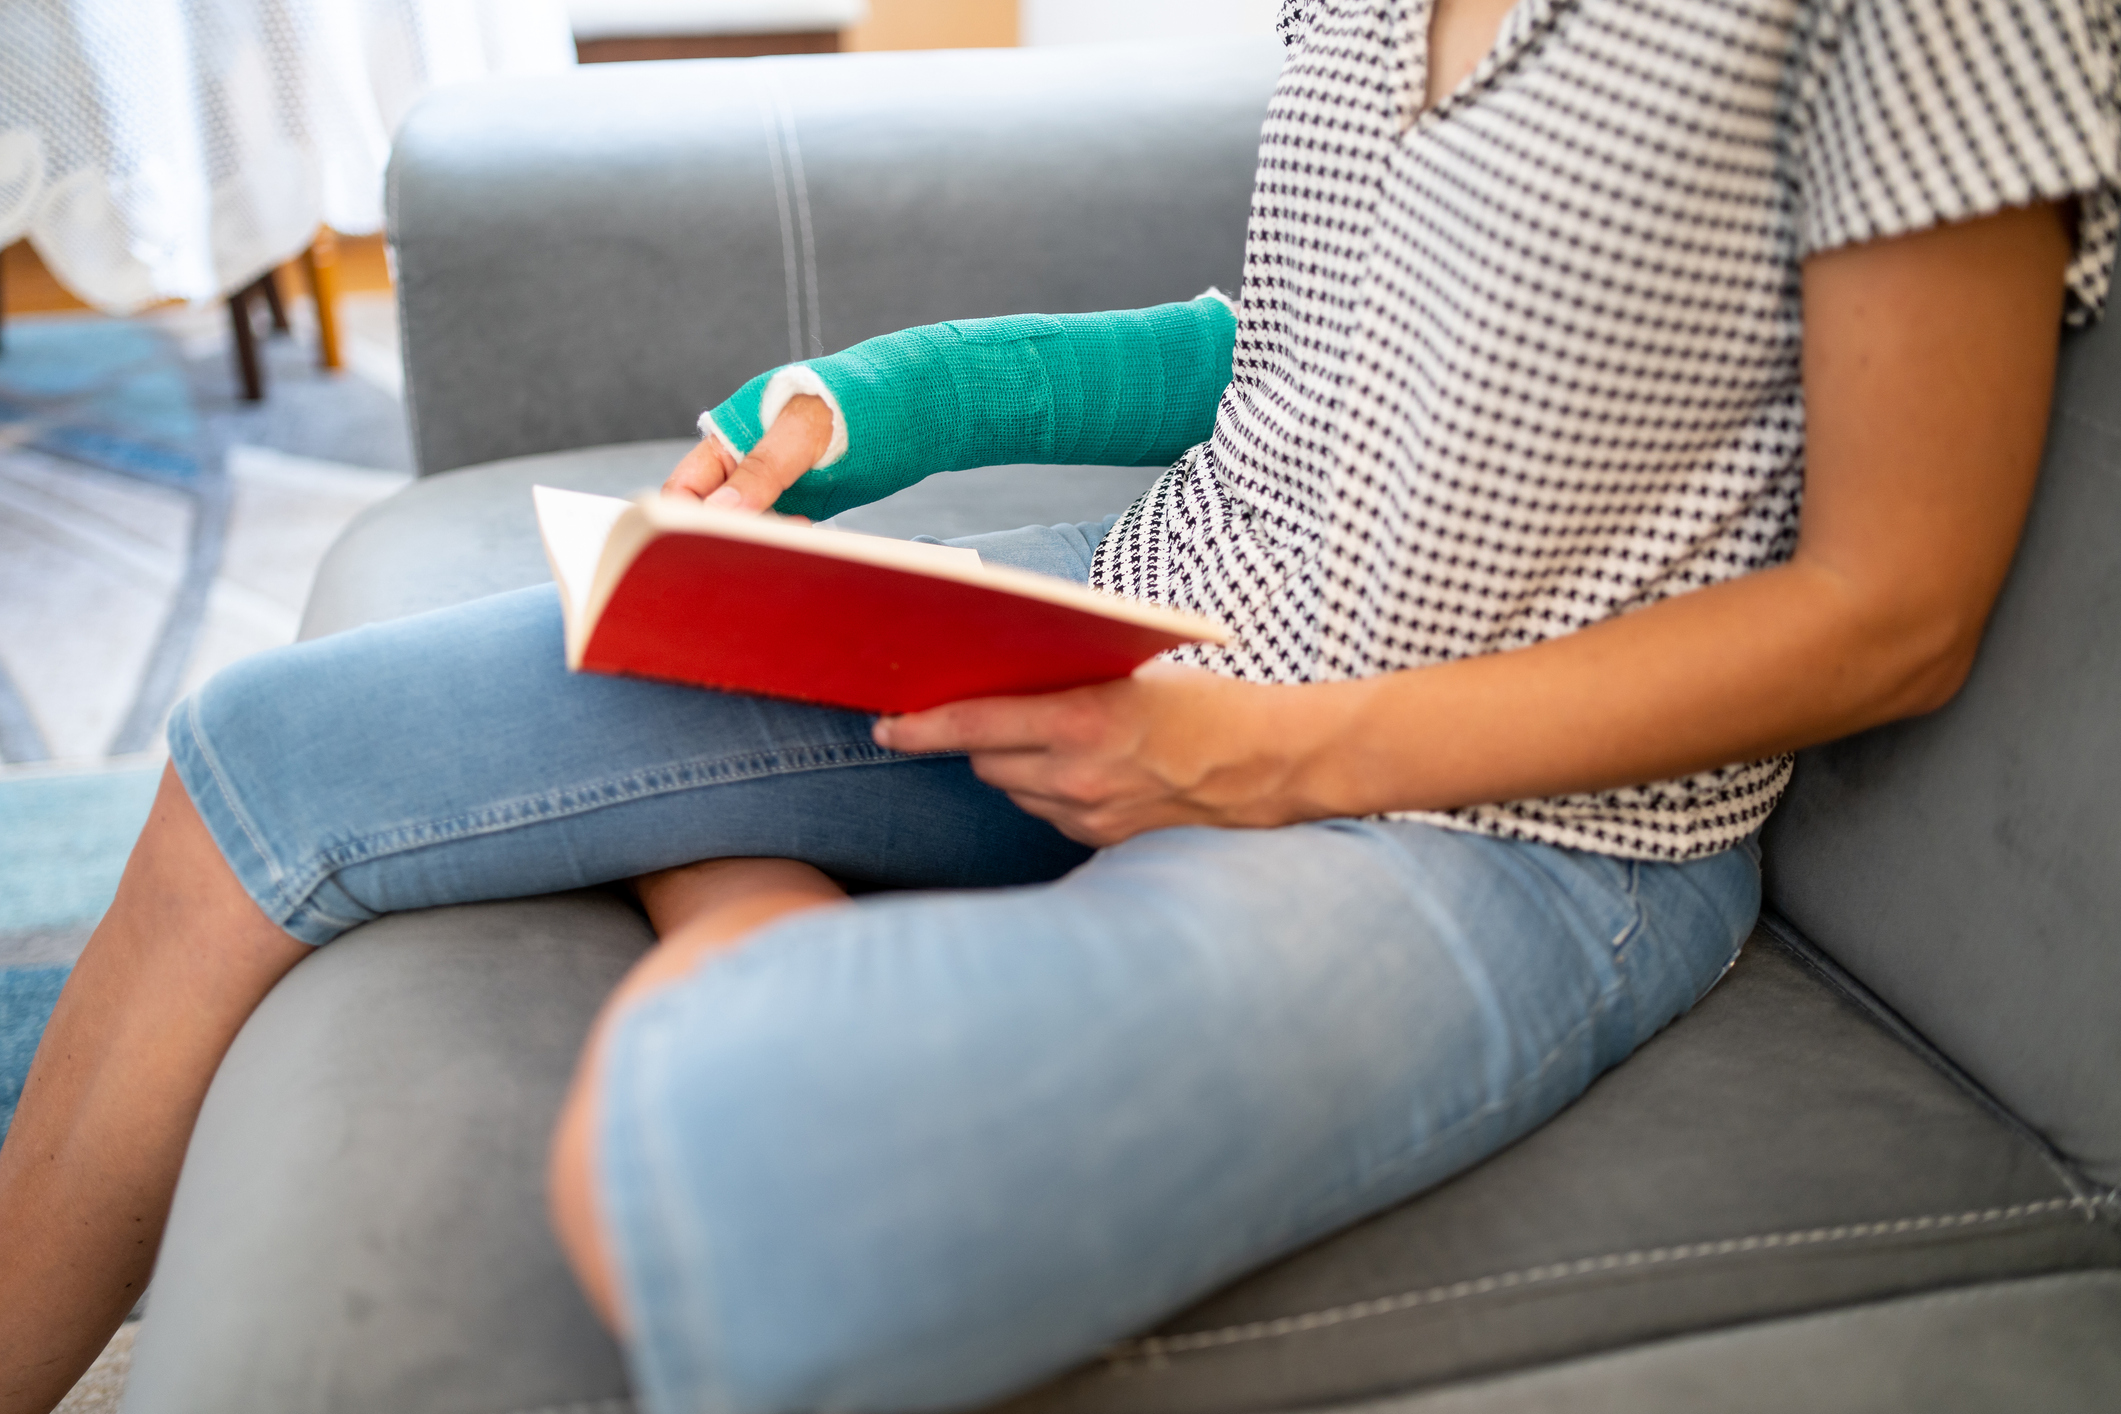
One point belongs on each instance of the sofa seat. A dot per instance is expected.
(1777, 1150)
(360, 1223)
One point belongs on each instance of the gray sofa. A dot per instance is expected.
(1874, 1170)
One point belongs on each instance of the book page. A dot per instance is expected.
(670, 514)
(574, 525)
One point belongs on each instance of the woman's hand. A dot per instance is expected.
(790, 447)
(1168, 746)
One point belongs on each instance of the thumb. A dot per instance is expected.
(790, 447)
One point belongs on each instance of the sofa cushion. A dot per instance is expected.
(595, 255)
(360, 1221)
(361, 1226)
(446, 539)
(1967, 865)
(2051, 1344)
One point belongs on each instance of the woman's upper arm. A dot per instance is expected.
(1928, 366)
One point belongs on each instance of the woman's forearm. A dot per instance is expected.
(1124, 388)
(1736, 672)
(1695, 682)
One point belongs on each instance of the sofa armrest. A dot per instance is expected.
(595, 257)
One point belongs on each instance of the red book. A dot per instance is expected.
(666, 588)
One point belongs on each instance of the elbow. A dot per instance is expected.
(1926, 664)
(1905, 643)
(1936, 682)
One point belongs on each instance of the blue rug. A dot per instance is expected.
(108, 392)
(152, 402)
(27, 996)
(145, 399)
(63, 843)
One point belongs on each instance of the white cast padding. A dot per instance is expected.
(793, 381)
(787, 383)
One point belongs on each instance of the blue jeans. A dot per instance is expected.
(933, 1146)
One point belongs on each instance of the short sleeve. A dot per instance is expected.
(1294, 21)
(1920, 112)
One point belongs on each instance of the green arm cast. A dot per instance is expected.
(1128, 388)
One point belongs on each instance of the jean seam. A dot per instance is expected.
(1152, 1351)
(308, 908)
(1516, 1092)
(1381, 1178)
(1608, 995)
(1635, 912)
(502, 816)
(235, 806)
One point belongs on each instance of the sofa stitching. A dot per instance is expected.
(1156, 1348)
(1490, 1108)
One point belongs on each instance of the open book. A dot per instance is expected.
(661, 587)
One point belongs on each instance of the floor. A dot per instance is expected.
(131, 574)
(99, 1391)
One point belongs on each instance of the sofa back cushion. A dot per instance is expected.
(1966, 866)
(596, 256)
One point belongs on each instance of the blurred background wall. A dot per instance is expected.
(1100, 21)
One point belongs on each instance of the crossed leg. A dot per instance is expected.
(922, 1149)
(178, 963)
(90, 1162)
(697, 909)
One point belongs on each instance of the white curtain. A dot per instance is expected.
(158, 149)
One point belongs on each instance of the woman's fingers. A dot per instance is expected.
(1031, 772)
(798, 437)
(703, 470)
(980, 724)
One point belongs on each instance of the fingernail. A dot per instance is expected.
(727, 498)
(881, 732)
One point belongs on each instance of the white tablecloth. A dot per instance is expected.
(158, 149)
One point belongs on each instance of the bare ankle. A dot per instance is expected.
(720, 894)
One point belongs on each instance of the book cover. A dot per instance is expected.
(666, 588)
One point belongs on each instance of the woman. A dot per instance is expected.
(1549, 316)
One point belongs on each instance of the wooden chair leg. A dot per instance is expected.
(320, 264)
(269, 286)
(249, 371)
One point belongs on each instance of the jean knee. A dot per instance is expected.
(781, 1236)
(245, 745)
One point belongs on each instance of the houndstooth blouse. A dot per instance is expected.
(1530, 359)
